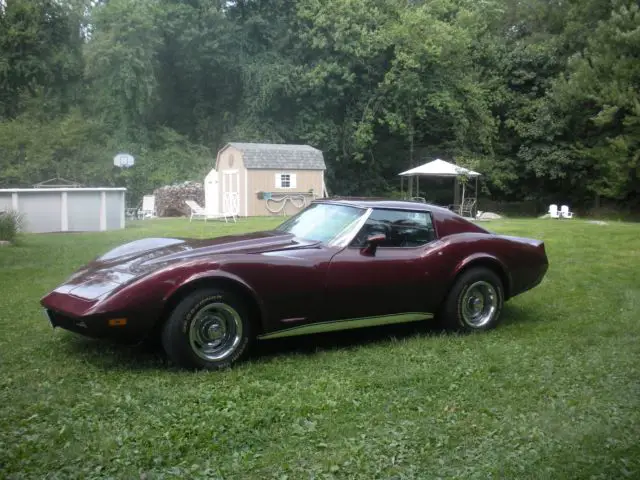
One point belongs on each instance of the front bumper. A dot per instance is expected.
(99, 327)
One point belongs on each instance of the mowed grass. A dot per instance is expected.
(553, 393)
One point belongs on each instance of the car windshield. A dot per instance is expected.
(322, 222)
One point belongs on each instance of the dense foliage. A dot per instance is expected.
(541, 95)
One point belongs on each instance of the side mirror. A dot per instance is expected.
(372, 243)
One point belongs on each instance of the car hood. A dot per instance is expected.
(153, 252)
(134, 259)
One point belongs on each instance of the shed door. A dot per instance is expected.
(231, 191)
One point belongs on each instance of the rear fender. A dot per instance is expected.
(490, 261)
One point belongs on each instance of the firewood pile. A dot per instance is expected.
(170, 199)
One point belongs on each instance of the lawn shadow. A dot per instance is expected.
(149, 355)
(512, 314)
(517, 314)
(108, 355)
(342, 340)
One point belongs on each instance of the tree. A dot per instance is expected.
(40, 57)
(605, 78)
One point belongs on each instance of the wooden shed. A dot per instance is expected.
(258, 179)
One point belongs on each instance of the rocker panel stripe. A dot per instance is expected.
(348, 324)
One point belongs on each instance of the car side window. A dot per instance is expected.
(401, 227)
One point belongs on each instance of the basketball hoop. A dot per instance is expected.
(123, 160)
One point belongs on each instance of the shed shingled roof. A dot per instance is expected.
(280, 156)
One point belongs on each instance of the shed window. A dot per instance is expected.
(285, 180)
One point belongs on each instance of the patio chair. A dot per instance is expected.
(230, 205)
(198, 212)
(565, 213)
(148, 209)
(131, 213)
(553, 211)
(466, 209)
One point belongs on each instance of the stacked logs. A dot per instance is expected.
(170, 199)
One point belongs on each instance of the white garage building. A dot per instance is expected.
(66, 209)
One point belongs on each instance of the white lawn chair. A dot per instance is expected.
(148, 209)
(198, 212)
(553, 211)
(565, 213)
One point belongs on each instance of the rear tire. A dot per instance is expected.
(474, 303)
(208, 329)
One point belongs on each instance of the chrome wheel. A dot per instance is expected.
(215, 332)
(479, 304)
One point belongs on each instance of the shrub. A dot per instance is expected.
(10, 225)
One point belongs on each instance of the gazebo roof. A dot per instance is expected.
(440, 168)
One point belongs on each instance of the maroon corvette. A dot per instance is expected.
(338, 264)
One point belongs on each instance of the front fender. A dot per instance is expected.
(147, 297)
(221, 276)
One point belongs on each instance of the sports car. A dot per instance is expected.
(337, 264)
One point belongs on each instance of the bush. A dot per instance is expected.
(10, 225)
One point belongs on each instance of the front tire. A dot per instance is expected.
(475, 301)
(208, 329)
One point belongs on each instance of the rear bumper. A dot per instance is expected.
(529, 279)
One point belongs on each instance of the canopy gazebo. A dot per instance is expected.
(440, 168)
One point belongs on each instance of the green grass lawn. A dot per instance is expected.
(554, 392)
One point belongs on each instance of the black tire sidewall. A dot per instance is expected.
(453, 306)
(175, 334)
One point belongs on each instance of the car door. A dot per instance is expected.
(395, 279)
(291, 284)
